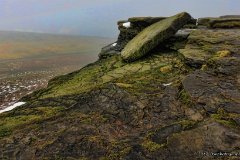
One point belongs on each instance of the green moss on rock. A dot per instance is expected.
(151, 36)
(22, 119)
(185, 98)
(152, 146)
(225, 118)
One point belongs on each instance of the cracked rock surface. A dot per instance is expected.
(167, 105)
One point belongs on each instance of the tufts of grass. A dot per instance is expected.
(185, 98)
(12, 122)
(187, 124)
(152, 146)
(225, 118)
(117, 150)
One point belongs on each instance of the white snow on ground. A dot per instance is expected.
(114, 44)
(12, 107)
(167, 84)
(127, 24)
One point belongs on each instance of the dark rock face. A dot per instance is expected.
(137, 25)
(109, 50)
(204, 21)
(211, 92)
(179, 102)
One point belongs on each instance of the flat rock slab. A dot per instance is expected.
(153, 35)
(225, 23)
(220, 22)
(150, 20)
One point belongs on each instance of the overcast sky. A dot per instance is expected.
(98, 17)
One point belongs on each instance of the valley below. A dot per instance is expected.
(29, 60)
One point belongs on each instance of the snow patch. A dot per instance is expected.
(114, 44)
(127, 24)
(167, 84)
(12, 107)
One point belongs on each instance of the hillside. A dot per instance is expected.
(29, 60)
(26, 51)
(178, 100)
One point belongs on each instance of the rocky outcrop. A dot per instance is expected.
(214, 44)
(220, 22)
(127, 33)
(136, 25)
(133, 26)
(225, 23)
(230, 16)
(179, 102)
(152, 36)
(204, 21)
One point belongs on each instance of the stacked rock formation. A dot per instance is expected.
(135, 25)
(153, 35)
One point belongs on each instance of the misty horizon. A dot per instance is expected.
(94, 18)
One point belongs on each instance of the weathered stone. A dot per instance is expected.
(160, 136)
(220, 22)
(204, 44)
(192, 24)
(211, 92)
(178, 41)
(203, 142)
(137, 25)
(149, 20)
(204, 21)
(194, 57)
(225, 23)
(153, 35)
(109, 50)
(230, 16)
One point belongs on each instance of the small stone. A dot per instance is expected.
(223, 53)
(166, 69)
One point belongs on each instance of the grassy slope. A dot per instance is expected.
(24, 52)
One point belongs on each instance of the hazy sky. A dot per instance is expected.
(98, 17)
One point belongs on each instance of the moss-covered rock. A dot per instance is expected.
(204, 44)
(225, 23)
(152, 36)
(158, 107)
(149, 20)
(137, 24)
(204, 21)
(220, 22)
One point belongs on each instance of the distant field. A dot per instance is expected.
(29, 60)
(22, 45)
